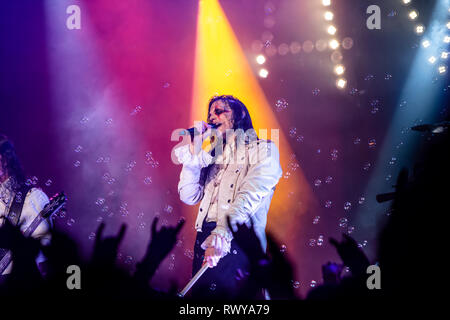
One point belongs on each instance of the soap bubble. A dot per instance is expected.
(212, 287)
(76, 164)
(100, 201)
(367, 166)
(329, 180)
(84, 120)
(316, 91)
(292, 132)
(347, 206)
(393, 161)
(372, 143)
(328, 204)
(317, 182)
(130, 166)
(281, 104)
(312, 242)
(361, 200)
(70, 222)
(147, 180)
(334, 154)
(48, 183)
(92, 236)
(189, 254)
(347, 43)
(78, 149)
(320, 240)
(136, 111)
(392, 13)
(316, 219)
(353, 91)
(283, 248)
(313, 283)
(343, 222)
(357, 140)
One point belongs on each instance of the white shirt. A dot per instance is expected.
(245, 190)
(34, 202)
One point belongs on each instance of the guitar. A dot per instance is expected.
(55, 204)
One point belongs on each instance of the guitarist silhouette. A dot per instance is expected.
(20, 203)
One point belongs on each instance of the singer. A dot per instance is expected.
(235, 177)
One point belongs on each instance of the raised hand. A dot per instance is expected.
(247, 240)
(105, 250)
(351, 255)
(161, 243)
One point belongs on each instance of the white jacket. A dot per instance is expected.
(246, 188)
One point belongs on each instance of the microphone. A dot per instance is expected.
(192, 131)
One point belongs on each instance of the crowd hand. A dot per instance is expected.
(162, 241)
(351, 255)
(281, 273)
(247, 240)
(11, 238)
(205, 132)
(105, 250)
(331, 272)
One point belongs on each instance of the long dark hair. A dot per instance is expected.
(241, 116)
(242, 123)
(10, 162)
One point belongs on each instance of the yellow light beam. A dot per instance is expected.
(221, 68)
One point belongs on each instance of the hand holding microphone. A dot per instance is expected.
(202, 130)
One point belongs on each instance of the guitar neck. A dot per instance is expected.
(33, 226)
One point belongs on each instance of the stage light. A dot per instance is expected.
(263, 73)
(341, 83)
(328, 15)
(426, 43)
(432, 59)
(406, 1)
(339, 69)
(442, 69)
(333, 44)
(326, 3)
(413, 15)
(420, 29)
(444, 55)
(447, 39)
(260, 59)
(331, 30)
